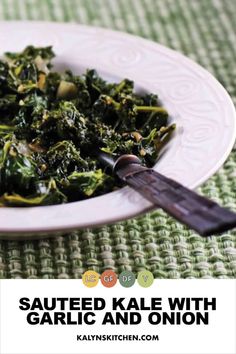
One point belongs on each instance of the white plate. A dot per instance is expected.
(200, 106)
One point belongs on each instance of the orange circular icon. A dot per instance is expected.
(108, 278)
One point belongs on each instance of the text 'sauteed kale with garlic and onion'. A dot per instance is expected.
(50, 124)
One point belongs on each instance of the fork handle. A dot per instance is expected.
(199, 213)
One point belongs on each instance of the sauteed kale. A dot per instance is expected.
(50, 124)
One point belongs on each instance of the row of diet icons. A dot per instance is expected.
(109, 278)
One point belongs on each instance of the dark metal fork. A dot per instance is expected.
(199, 213)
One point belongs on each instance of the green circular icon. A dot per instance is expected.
(127, 279)
(145, 278)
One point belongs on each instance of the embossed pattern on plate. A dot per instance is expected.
(200, 106)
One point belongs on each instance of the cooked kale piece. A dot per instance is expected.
(17, 172)
(51, 123)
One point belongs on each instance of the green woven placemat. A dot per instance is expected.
(205, 30)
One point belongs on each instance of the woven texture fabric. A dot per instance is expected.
(205, 30)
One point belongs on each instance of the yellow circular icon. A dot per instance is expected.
(90, 278)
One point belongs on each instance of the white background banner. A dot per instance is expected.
(218, 337)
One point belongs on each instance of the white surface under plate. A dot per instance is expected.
(199, 105)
